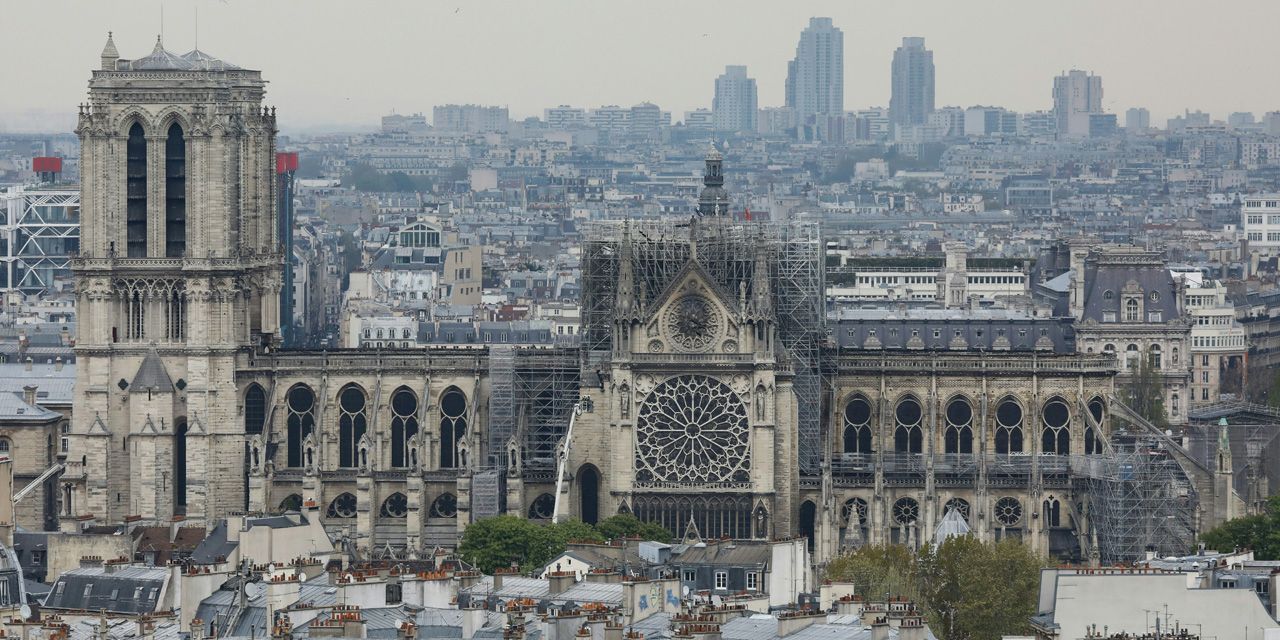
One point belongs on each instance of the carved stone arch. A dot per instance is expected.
(908, 423)
(169, 115)
(126, 118)
(760, 521)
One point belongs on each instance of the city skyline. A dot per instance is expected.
(617, 45)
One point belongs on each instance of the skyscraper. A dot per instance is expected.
(1076, 94)
(734, 104)
(911, 100)
(815, 78)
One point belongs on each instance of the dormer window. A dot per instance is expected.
(1108, 295)
(1131, 311)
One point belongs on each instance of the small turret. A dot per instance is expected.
(714, 200)
(109, 54)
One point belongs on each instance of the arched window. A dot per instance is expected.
(395, 506)
(908, 436)
(1008, 427)
(1052, 512)
(446, 506)
(857, 426)
(1131, 310)
(292, 502)
(343, 506)
(136, 192)
(1153, 356)
(175, 193)
(6, 447)
(1056, 436)
(543, 507)
(302, 404)
(404, 425)
(255, 409)
(959, 434)
(453, 426)
(351, 425)
(1092, 441)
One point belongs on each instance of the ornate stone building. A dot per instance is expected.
(708, 395)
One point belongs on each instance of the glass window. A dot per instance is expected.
(722, 580)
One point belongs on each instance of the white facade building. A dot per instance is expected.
(734, 106)
(1260, 222)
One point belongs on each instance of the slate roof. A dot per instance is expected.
(125, 590)
(738, 553)
(1114, 270)
(14, 409)
(161, 59)
(52, 386)
(151, 376)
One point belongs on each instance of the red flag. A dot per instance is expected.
(746, 214)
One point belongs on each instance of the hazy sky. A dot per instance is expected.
(347, 62)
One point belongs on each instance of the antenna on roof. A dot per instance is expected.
(161, 21)
(197, 36)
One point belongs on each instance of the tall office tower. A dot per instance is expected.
(734, 104)
(911, 100)
(168, 310)
(1137, 120)
(1076, 95)
(815, 78)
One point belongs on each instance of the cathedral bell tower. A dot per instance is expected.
(177, 283)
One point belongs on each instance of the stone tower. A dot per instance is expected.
(177, 283)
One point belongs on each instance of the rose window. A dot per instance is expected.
(1008, 511)
(906, 511)
(692, 430)
(343, 506)
(850, 506)
(693, 323)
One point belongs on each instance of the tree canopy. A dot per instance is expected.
(504, 541)
(1259, 532)
(967, 589)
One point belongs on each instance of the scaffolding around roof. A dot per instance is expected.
(1138, 498)
(727, 250)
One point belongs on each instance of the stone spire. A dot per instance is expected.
(714, 200)
(625, 304)
(109, 54)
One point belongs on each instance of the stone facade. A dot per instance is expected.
(706, 395)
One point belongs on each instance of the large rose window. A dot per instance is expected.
(692, 430)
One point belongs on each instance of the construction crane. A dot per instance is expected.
(563, 461)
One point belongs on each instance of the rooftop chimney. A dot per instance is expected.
(29, 394)
(560, 581)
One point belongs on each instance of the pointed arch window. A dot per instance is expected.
(175, 193)
(351, 425)
(453, 426)
(301, 404)
(1008, 427)
(908, 437)
(136, 192)
(857, 426)
(959, 435)
(255, 409)
(404, 425)
(1056, 436)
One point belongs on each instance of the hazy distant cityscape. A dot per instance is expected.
(782, 365)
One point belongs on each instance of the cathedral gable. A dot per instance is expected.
(693, 314)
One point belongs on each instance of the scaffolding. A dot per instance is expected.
(1138, 498)
(727, 250)
(502, 412)
(545, 385)
(40, 229)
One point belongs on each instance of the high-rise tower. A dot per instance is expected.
(734, 105)
(1076, 95)
(177, 281)
(911, 100)
(815, 78)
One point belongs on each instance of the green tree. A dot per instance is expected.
(1259, 532)
(967, 589)
(1145, 392)
(625, 525)
(877, 571)
(575, 531)
(502, 541)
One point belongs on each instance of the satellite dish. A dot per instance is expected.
(686, 591)
(252, 589)
(302, 576)
(25, 611)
